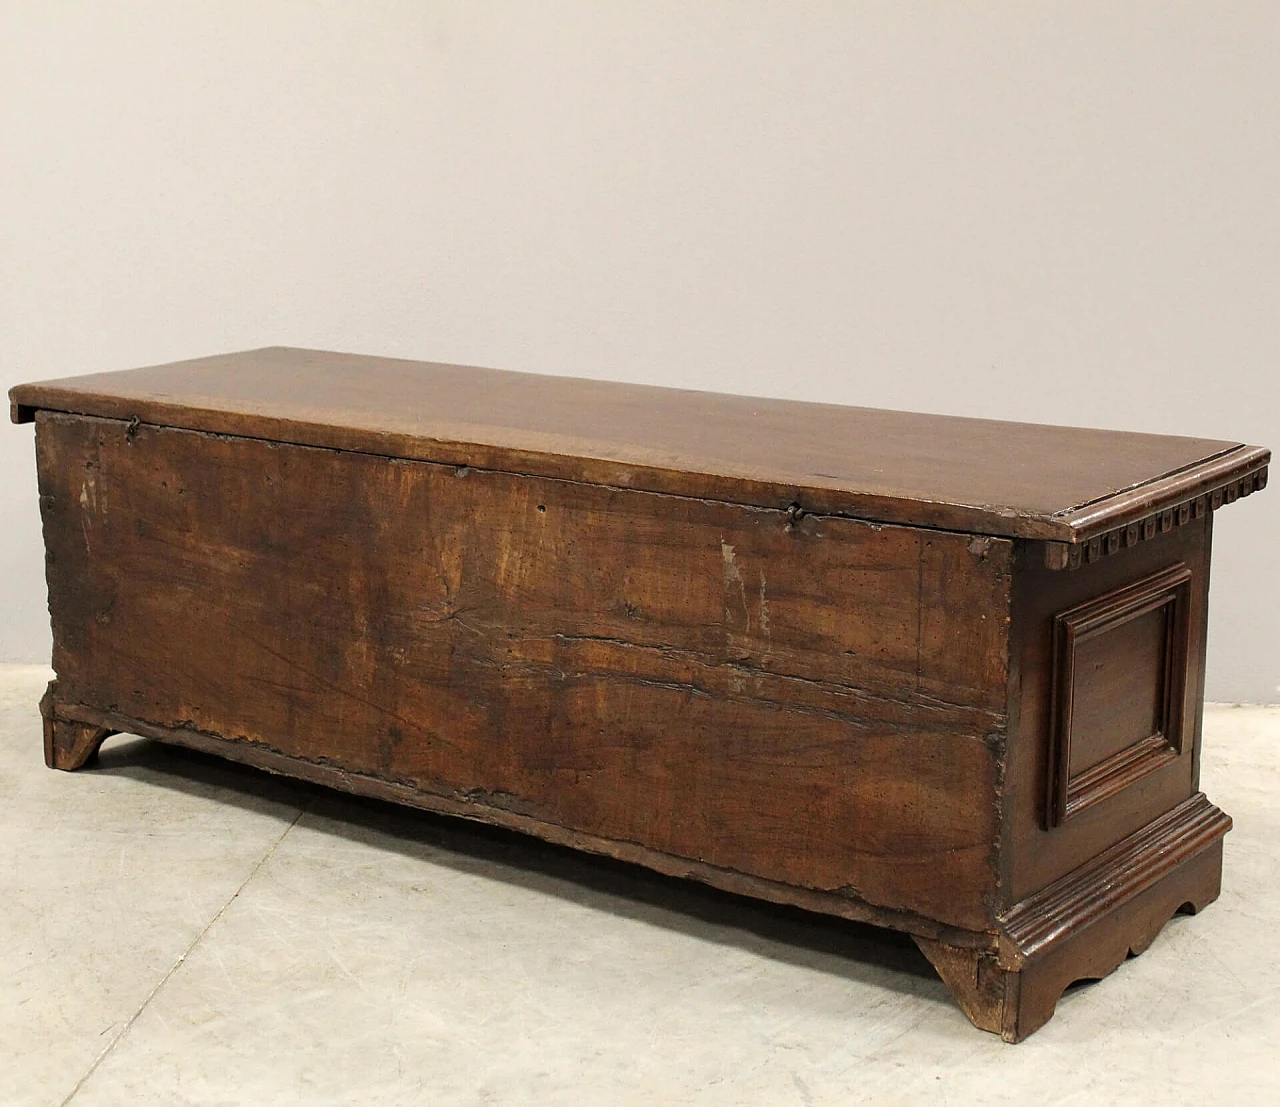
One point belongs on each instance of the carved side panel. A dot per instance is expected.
(1119, 690)
(1106, 684)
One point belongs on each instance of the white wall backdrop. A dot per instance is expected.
(1052, 212)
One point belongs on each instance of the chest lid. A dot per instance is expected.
(1063, 484)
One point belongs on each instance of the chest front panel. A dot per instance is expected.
(810, 699)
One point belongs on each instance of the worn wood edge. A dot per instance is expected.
(19, 412)
(47, 702)
(1084, 926)
(742, 488)
(257, 755)
(980, 987)
(785, 503)
(69, 744)
(1140, 514)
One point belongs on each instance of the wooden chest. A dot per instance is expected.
(943, 675)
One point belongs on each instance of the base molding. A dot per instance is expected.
(1083, 926)
(1007, 980)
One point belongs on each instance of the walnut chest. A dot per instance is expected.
(939, 674)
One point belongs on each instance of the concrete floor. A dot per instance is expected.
(178, 930)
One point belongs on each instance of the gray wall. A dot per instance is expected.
(1062, 213)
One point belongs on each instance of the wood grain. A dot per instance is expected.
(978, 475)
(815, 701)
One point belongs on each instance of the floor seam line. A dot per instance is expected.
(185, 954)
